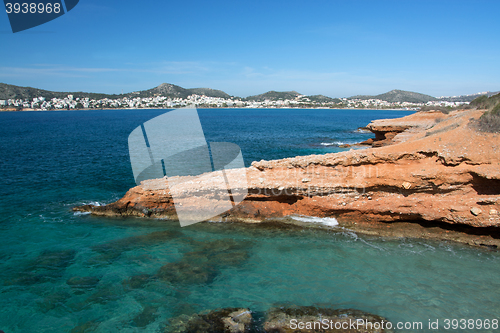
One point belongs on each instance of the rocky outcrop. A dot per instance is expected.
(386, 130)
(428, 167)
(298, 319)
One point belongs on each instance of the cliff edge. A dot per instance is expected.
(424, 170)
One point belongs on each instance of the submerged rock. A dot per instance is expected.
(29, 278)
(114, 249)
(146, 317)
(89, 326)
(48, 266)
(104, 295)
(83, 282)
(53, 259)
(137, 281)
(203, 265)
(187, 273)
(53, 301)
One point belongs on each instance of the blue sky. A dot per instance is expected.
(334, 48)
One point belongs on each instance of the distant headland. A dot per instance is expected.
(166, 95)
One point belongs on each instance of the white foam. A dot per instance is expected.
(329, 221)
(94, 203)
(81, 213)
(336, 143)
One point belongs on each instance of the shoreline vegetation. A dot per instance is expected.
(429, 175)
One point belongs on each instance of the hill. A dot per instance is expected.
(171, 90)
(323, 99)
(273, 96)
(490, 120)
(399, 96)
(484, 102)
(9, 91)
(209, 92)
(466, 98)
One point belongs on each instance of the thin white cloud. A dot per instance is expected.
(233, 78)
(52, 70)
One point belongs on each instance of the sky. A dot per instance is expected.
(333, 48)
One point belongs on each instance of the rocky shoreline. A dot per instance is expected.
(426, 175)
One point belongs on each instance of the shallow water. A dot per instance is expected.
(213, 265)
(62, 270)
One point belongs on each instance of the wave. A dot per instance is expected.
(339, 143)
(95, 203)
(81, 213)
(329, 221)
(336, 143)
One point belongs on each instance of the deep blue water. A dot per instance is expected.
(51, 161)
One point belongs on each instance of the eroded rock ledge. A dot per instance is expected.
(431, 168)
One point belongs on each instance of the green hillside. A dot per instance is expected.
(173, 91)
(490, 120)
(8, 91)
(399, 96)
(209, 92)
(323, 99)
(484, 102)
(273, 96)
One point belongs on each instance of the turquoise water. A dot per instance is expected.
(60, 270)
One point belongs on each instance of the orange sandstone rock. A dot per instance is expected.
(428, 166)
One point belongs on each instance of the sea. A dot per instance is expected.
(62, 271)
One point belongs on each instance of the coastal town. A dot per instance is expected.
(70, 102)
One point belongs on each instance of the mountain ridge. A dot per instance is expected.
(8, 91)
(399, 96)
(172, 90)
(273, 95)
